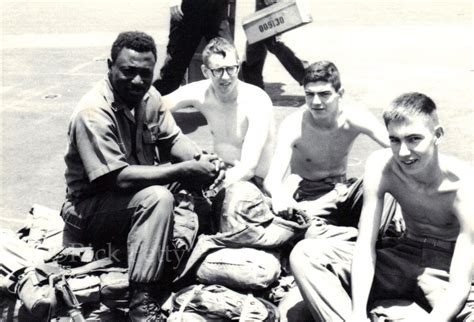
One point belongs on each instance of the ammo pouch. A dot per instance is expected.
(48, 287)
(47, 278)
(218, 303)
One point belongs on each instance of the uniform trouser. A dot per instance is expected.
(255, 55)
(201, 18)
(408, 270)
(141, 221)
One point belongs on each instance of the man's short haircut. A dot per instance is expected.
(323, 71)
(136, 40)
(410, 104)
(220, 46)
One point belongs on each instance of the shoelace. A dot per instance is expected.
(153, 311)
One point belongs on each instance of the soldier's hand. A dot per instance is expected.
(399, 223)
(284, 206)
(220, 176)
(203, 169)
(175, 10)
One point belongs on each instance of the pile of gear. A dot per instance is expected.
(40, 279)
(239, 273)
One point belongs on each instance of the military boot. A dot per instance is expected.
(143, 304)
(37, 299)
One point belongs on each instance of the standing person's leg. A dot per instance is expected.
(321, 268)
(252, 66)
(287, 58)
(217, 21)
(254, 60)
(183, 40)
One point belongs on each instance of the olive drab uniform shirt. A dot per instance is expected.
(104, 136)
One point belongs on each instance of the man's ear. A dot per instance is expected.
(439, 133)
(205, 71)
(340, 92)
(109, 63)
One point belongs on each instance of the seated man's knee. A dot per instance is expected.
(242, 188)
(303, 251)
(158, 193)
(154, 195)
(241, 204)
(242, 191)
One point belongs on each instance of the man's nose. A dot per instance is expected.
(137, 79)
(225, 74)
(404, 150)
(316, 100)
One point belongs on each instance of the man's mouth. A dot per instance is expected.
(136, 91)
(408, 162)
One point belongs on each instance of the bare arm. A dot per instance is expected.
(260, 128)
(461, 263)
(184, 96)
(366, 122)
(282, 199)
(135, 177)
(363, 264)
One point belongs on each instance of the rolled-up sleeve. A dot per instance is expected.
(97, 141)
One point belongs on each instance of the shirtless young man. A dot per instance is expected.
(314, 144)
(431, 263)
(239, 115)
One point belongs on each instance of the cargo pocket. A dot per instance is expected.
(186, 223)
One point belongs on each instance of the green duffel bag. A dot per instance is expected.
(240, 268)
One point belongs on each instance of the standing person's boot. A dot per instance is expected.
(143, 304)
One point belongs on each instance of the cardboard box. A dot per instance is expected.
(276, 19)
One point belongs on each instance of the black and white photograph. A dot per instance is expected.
(236, 160)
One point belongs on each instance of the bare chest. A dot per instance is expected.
(317, 149)
(229, 125)
(429, 212)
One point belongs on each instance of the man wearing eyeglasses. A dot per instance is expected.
(239, 115)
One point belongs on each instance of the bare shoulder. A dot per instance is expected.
(458, 173)
(379, 171)
(290, 128)
(460, 176)
(196, 90)
(254, 98)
